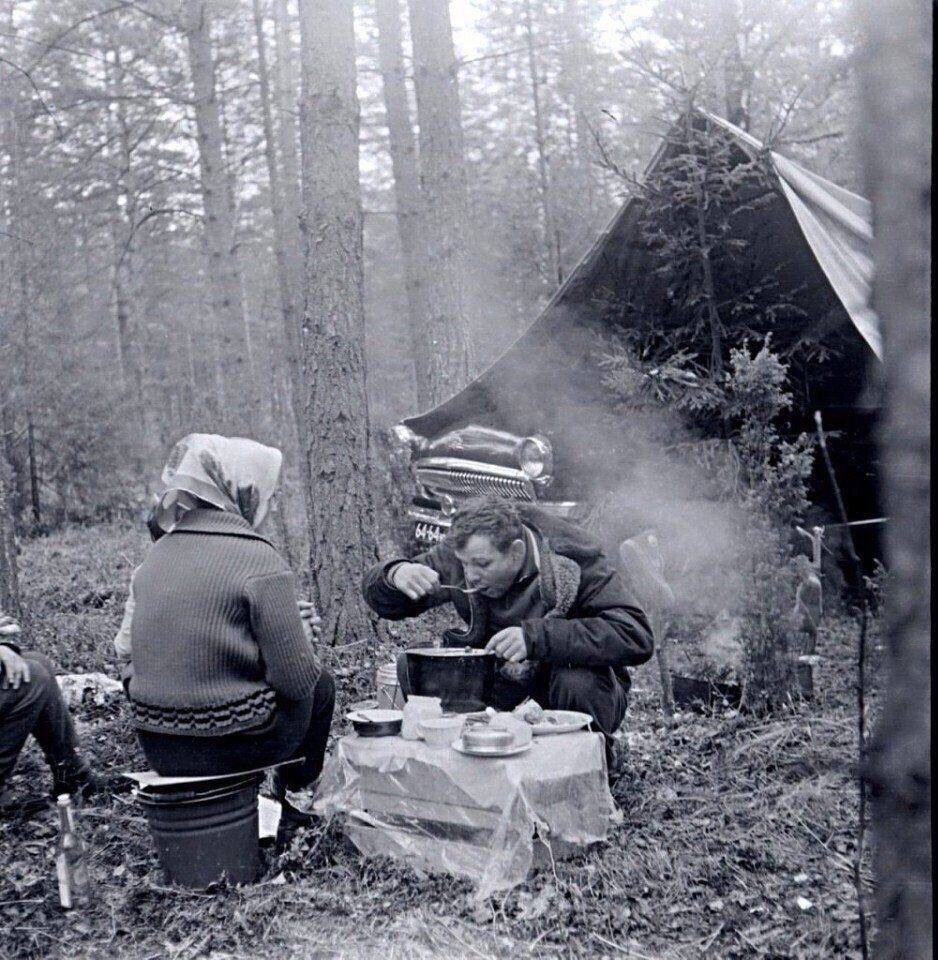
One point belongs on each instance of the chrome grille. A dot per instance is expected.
(465, 483)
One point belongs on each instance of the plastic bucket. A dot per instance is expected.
(203, 831)
(389, 696)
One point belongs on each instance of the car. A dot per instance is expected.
(475, 461)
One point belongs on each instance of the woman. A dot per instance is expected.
(224, 676)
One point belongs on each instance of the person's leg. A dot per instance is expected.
(38, 708)
(313, 745)
(595, 691)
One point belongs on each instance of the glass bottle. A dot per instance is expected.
(71, 861)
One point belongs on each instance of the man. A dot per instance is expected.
(31, 703)
(544, 598)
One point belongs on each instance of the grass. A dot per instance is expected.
(737, 840)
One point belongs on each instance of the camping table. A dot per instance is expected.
(477, 817)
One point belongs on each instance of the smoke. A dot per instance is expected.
(639, 466)
(703, 540)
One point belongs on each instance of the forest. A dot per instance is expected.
(303, 221)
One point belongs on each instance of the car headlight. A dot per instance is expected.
(536, 459)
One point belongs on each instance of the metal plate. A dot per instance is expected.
(565, 721)
(490, 751)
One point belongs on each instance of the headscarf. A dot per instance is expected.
(231, 473)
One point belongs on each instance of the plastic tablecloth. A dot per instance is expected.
(476, 817)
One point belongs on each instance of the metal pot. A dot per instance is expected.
(461, 677)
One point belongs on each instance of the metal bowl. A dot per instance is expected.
(461, 677)
(377, 723)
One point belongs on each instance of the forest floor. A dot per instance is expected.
(738, 836)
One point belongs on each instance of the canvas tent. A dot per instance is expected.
(818, 232)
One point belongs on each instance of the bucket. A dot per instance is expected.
(202, 831)
(390, 696)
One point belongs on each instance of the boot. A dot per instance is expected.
(78, 780)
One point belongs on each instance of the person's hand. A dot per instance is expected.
(312, 622)
(15, 668)
(509, 645)
(415, 579)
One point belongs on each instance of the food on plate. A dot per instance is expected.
(531, 712)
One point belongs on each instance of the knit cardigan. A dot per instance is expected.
(216, 633)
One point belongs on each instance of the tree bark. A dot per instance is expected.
(732, 75)
(445, 195)
(287, 113)
(15, 474)
(285, 281)
(23, 119)
(124, 215)
(286, 260)
(577, 56)
(696, 169)
(410, 217)
(220, 230)
(896, 75)
(333, 398)
(551, 234)
(9, 581)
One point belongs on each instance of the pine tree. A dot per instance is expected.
(332, 399)
(897, 71)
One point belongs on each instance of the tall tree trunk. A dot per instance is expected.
(285, 281)
(445, 197)
(286, 260)
(551, 234)
(697, 170)
(220, 231)
(896, 74)
(403, 150)
(19, 215)
(287, 90)
(333, 396)
(732, 78)
(578, 23)
(124, 215)
(9, 582)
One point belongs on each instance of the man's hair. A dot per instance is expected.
(491, 517)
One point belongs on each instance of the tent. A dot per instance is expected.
(817, 230)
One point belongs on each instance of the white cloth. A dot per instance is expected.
(475, 817)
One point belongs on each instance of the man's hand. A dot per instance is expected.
(415, 579)
(15, 668)
(310, 619)
(509, 645)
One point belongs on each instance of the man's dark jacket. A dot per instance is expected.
(602, 626)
